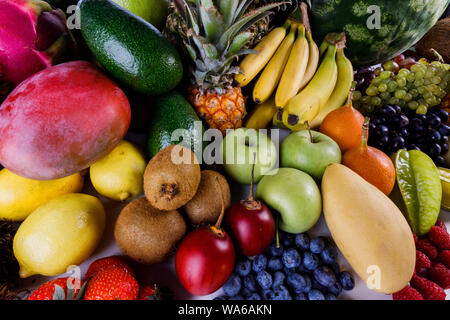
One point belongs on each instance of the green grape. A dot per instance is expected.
(365, 99)
(419, 75)
(440, 93)
(376, 81)
(385, 95)
(415, 67)
(414, 93)
(402, 103)
(427, 94)
(385, 75)
(422, 90)
(408, 97)
(413, 105)
(357, 95)
(432, 87)
(372, 91)
(432, 101)
(382, 87)
(421, 109)
(429, 73)
(426, 81)
(394, 100)
(370, 108)
(436, 63)
(377, 71)
(410, 77)
(443, 84)
(376, 101)
(390, 65)
(446, 66)
(392, 85)
(400, 94)
(419, 83)
(403, 72)
(401, 82)
(436, 80)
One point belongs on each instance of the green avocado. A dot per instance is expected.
(130, 48)
(172, 112)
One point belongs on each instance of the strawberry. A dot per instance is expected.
(428, 248)
(444, 258)
(441, 224)
(428, 289)
(149, 293)
(407, 293)
(422, 262)
(59, 289)
(113, 283)
(103, 263)
(439, 237)
(440, 274)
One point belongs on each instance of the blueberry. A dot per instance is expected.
(317, 285)
(245, 292)
(291, 258)
(281, 293)
(302, 241)
(325, 276)
(237, 297)
(274, 264)
(259, 263)
(243, 267)
(300, 296)
(329, 255)
(316, 245)
(233, 285)
(288, 240)
(264, 279)
(253, 296)
(315, 294)
(347, 281)
(310, 260)
(330, 296)
(288, 271)
(267, 294)
(335, 267)
(335, 289)
(278, 279)
(220, 298)
(444, 130)
(274, 251)
(308, 283)
(250, 283)
(302, 269)
(296, 282)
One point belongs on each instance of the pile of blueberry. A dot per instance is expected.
(299, 269)
(392, 128)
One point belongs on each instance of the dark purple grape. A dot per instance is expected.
(417, 125)
(403, 132)
(412, 147)
(372, 127)
(404, 121)
(388, 111)
(376, 121)
(398, 109)
(397, 143)
(444, 148)
(417, 138)
(433, 136)
(440, 161)
(382, 130)
(444, 129)
(421, 117)
(433, 120)
(442, 114)
(434, 150)
(444, 140)
(383, 140)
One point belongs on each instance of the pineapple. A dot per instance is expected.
(214, 37)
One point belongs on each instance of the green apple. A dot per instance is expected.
(295, 195)
(238, 150)
(311, 153)
(153, 11)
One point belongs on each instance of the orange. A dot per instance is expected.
(344, 125)
(371, 163)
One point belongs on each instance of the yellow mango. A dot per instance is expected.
(20, 196)
(369, 229)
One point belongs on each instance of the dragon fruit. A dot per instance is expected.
(33, 36)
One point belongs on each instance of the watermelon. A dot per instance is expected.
(402, 24)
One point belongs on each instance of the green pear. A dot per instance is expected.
(295, 195)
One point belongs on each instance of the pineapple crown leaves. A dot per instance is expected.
(216, 35)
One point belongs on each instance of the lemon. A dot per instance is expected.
(154, 11)
(119, 175)
(20, 196)
(63, 232)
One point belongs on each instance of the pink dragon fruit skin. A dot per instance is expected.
(33, 36)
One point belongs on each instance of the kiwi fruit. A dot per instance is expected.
(206, 205)
(146, 234)
(171, 183)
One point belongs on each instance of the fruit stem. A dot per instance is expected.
(277, 235)
(365, 132)
(309, 131)
(350, 94)
(251, 203)
(438, 56)
(222, 210)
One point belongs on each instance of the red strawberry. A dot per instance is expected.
(439, 237)
(149, 293)
(428, 289)
(407, 293)
(103, 263)
(444, 257)
(441, 224)
(113, 283)
(57, 290)
(440, 274)
(422, 262)
(428, 248)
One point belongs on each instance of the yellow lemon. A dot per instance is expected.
(20, 196)
(63, 232)
(119, 174)
(154, 11)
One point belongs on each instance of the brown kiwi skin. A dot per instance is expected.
(169, 186)
(206, 205)
(146, 234)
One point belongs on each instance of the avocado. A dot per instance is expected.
(172, 112)
(130, 48)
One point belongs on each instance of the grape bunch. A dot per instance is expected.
(417, 86)
(392, 128)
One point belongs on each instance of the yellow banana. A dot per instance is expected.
(340, 92)
(294, 71)
(253, 63)
(313, 61)
(269, 78)
(262, 115)
(444, 174)
(277, 119)
(305, 106)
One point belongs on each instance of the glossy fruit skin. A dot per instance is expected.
(204, 261)
(108, 262)
(47, 290)
(61, 120)
(252, 229)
